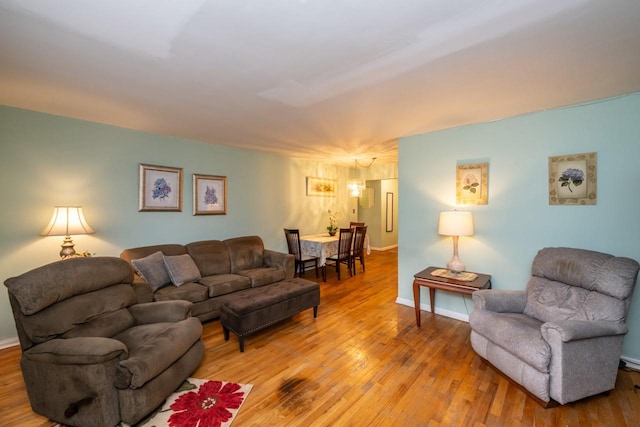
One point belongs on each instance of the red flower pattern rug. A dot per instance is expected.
(198, 403)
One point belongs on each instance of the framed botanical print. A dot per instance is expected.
(573, 179)
(472, 184)
(209, 195)
(159, 189)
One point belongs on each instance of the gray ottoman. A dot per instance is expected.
(248, 311)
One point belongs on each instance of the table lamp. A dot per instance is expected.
(455, 224)
(67, 220)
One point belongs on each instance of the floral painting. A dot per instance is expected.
(209, 194)
(160, 188)
(321, 186)
(472, 184)
(572, 179)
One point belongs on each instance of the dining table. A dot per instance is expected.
(323, 245)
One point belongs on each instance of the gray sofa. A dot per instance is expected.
(561, 338)
(204, 272)
(91, 356)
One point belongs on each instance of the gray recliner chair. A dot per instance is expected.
(91, 356)
(561, 338)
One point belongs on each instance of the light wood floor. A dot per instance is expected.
(363, 362)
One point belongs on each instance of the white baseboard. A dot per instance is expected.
(9, 342)
(440, 311)
(385, 248)
(631, 363)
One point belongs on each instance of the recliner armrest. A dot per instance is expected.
(274, 259)
(161, 311)
(499, 301)
(572, 330)
(77, 351)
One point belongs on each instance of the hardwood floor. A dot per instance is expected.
(364, 362)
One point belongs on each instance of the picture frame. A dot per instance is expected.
(209, 194)
(573, 179)
(159, 188)
(472, 184)
(325, 187)
(389, 213)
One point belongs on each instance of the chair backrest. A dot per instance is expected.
(293, 241)
(71, 298)
(345, 242)
(578, 284)
(358, 240)
(356, 224)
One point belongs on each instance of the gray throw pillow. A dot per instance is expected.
(182, 269)
(152, 269)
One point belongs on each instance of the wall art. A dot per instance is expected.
(573, 179)
(209, 194)
(159, 189)
(472, 184)
(321, 186)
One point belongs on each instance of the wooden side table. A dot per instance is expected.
(425, 278)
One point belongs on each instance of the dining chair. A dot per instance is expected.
(293, 243)
(356, 224)
(358, 248)
(345, 244)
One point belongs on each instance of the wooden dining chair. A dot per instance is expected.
(345, 244)
(358, 248)
(293, 243)
(356, 224)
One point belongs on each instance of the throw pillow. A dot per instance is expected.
(182, 269)
(151, 268)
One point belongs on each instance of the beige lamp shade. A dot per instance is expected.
(455, 223)
(65, 221)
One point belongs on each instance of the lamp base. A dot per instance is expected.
(67, 248)
(455, 265)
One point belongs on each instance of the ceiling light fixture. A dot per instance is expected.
(356, 185)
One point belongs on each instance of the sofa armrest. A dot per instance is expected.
(77, 351)
(281, 260)
(161, 311)
(499, 301)
(573, 330)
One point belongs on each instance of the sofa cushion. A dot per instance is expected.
(263, 276)
(152, 269)
(517, 333)
(245, 253)
(181, 269)
(221, 284)
(211, 257)
(193, 292)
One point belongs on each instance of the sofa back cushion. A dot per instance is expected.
(211, 257)
(245, 252)
(577, 284)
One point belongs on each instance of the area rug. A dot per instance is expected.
(198, 403)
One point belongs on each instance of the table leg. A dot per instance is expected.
(432, 299)
(416, 301)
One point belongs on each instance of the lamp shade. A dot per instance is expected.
(67, 220)
(455, 223)
(355, 186)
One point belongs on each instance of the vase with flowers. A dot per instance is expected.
(334, 216)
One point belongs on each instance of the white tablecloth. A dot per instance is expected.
(322, 245)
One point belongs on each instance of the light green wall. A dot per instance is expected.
(518, 219)
(48, 160)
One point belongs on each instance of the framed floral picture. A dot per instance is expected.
(160, 189)
(573, 179)
(472, 184)
(209, 195)
(321, 186)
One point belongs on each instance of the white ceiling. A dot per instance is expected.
(333, 80)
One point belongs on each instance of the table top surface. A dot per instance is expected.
(481, 281)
